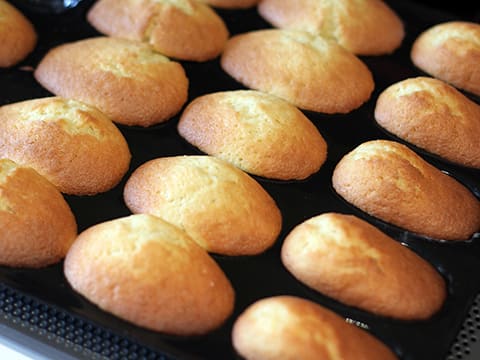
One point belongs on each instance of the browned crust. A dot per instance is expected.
(288, 327)
(150, 273)
(353, 262)
(232, 4)
(218, 205)
(362, 27)
(83, 159)
(451, 52)
(259, 133)
(37, 224)
(434, 116)
(391, 182)
(125, 79)
(17, 34)
(193, 33)
(309, 71)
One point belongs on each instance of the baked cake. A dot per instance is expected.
(125, 79)
(353, 262)
(221, 207)
(289, 327)
(364, 27)
(390, 181)
(312, 72)
(181, 29)
(18, 35)
(257, 132)
(450, 51)
(434, 116)
(150, 273)
(38, 226)
(75, 146)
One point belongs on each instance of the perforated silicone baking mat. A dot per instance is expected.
(38, 309)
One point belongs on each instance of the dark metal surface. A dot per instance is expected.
(48, 6)
(259, 276)
(43, 331)
(467, 343)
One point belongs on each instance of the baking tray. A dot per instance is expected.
(39, 310)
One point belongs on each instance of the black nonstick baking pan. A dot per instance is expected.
(41, 314)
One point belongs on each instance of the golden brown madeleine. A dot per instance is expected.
(75, 146)
(18, 37)
(353, 262)
(257, 132)
(434, 116)
(290, 328)
(231, 4)
(182, 29)
(450, 51)
(391, 182)
(309, 71)
(125, 79)
(38, 226)
(150, 273)
(364, 27)
(218, 205)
